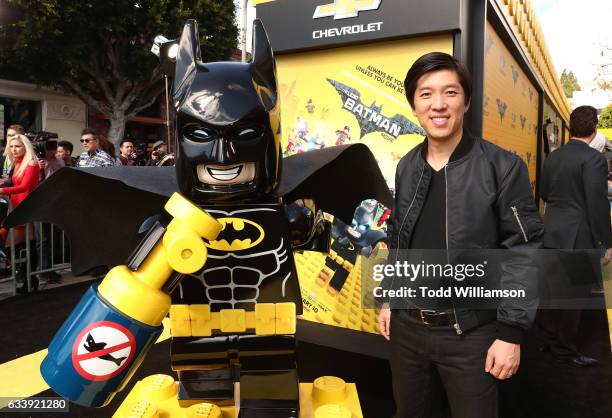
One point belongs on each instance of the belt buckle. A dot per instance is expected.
(424, 312)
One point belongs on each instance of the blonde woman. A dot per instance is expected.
(24, 175)
(24, 178)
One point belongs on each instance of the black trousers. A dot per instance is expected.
(418, 352)
(559, 330)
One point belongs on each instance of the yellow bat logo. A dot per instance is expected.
(343, 9)
(237, 234)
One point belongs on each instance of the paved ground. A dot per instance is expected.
(7, 285)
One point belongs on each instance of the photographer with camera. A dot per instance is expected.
(158, 152)
(45, 146)
(48, 162)
(127, 155)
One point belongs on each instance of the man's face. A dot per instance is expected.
(90, 143)
(162, 149)
(127, 149)
(439, 104)
(10, 133)
(63, 153)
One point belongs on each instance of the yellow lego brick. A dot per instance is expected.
(347, 265)
(285, 318)
(332, 411)
(333, 254)
(180, 323)
(204, 410)
(233, 320)
(140, 409)
(329, 397)
(265, 319)
(156, 397)
(200, 320)
(328, 389)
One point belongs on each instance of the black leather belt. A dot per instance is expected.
(433, 318)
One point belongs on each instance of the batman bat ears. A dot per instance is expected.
(263, 66)
(188, 56)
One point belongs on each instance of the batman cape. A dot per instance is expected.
(101, 210)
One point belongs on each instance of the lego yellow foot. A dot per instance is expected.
(156, 396)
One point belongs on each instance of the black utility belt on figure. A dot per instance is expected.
(433, 318)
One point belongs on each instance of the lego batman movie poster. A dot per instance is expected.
(340, 96)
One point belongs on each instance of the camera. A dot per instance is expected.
(43, 141)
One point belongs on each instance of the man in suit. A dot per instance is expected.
(574, 186)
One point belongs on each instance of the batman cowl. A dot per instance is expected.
(228, 123)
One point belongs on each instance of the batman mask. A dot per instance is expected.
(227, 123)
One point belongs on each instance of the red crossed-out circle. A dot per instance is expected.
(121, 333)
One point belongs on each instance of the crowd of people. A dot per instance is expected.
(25, 165)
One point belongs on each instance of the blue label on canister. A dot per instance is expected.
(95, 351)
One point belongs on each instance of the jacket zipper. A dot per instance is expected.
(404, 219)
(409, 207)
(456, 326)
(516, 215)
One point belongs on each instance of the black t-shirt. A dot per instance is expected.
(430, 229)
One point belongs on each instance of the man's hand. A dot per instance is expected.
(607, 257)
(503, 359)
(42, 164)
(384, 321)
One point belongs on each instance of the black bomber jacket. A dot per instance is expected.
(489, 205)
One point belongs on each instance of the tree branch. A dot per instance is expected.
(140, 88)
(74, 86)
(147, 102)
(93, 69)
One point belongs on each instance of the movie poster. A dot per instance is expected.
(341, 96)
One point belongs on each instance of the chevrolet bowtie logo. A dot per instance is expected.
(342, 9)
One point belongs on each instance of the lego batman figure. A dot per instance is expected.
(229, 162)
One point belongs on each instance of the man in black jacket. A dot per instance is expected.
(456, 191)
(574, 185)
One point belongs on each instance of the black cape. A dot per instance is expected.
(101, 210)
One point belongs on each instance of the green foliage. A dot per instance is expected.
(569, 82)
(57, 36)
(605, 119)
(100, 49)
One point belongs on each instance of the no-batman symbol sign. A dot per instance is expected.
(103, 350)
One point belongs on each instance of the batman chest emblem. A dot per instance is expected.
(237, 234)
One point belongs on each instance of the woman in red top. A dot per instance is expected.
(24, 179)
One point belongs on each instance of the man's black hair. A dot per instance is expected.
(583, 122)
(91, 131)
(436, 61)
(124, 140)
(66, 145)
